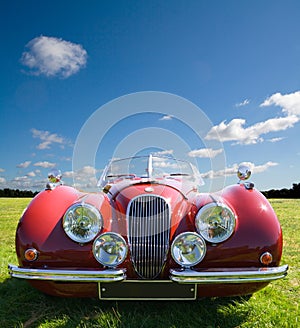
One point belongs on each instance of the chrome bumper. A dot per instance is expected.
(230, 276)
(187, 276)
(107, 275)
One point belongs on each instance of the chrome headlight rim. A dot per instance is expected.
(88, 223)
(207, 233)
(177, 254)
(98, 242)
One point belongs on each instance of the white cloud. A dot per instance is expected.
(22, 182)
(31, 174)
(84, 178)
(228, 171)
(20, 179)
(87, 171)
(25, 182)
(243, 103)
(48, 139)
(67, 159)
(45, 164)
(166, 118)
(262, 168)
(164, 163)
(2, 170)
(164, 152)
(24, 165)
(290, 103)
(83, 173)
(205, 152)
(52, 56)
(275, 139)
(68, 174)
(235, 130)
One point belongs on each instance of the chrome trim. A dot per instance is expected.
(36, 254)
(54, 178)
(105, 275)
(266, 254)
(149, 219)
(150, 166)
(244, 172)
(69, 225)
(187, 249)
(248, 185)
(231, 276)
(52, 186)
(181, 276)
(205, 232)
(118, 255)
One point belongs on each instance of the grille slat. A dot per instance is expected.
(148, 233)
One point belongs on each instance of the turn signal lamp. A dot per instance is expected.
(31, 254)
(266, 258)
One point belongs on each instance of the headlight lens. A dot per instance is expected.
(110, 249)
(215, 222)
(82, 222)
(188, 249)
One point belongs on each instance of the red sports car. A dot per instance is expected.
(149, 234)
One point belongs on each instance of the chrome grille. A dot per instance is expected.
(148, 233)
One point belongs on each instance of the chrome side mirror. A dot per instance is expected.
(244, 172)
(54, 178)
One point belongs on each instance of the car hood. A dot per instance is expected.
(146, 185)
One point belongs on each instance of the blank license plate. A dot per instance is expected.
(146, 290)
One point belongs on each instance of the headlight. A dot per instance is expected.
(82, 222)
(215, 222)
(188, 249)
(110, 249)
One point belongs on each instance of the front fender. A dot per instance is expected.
(258, 226)
(41, 217)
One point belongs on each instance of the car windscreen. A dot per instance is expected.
(152, 167)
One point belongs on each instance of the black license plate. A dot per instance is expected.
(146, 290)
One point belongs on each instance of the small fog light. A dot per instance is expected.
(266, 258)
(188, 249)
(110, 249)
(31, 254)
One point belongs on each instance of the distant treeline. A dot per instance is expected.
(294, 192)
(17, 193)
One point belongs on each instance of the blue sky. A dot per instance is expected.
(238, 61)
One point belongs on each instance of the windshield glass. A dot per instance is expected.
(154, 168)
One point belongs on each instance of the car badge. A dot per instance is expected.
(149, 189)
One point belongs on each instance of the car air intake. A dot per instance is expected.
(148, 233)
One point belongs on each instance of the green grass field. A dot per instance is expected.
(274, 306)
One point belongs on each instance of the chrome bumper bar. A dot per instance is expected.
(185, 276)
(106, 275)
(230, 276)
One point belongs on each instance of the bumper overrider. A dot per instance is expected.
(183, 276)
